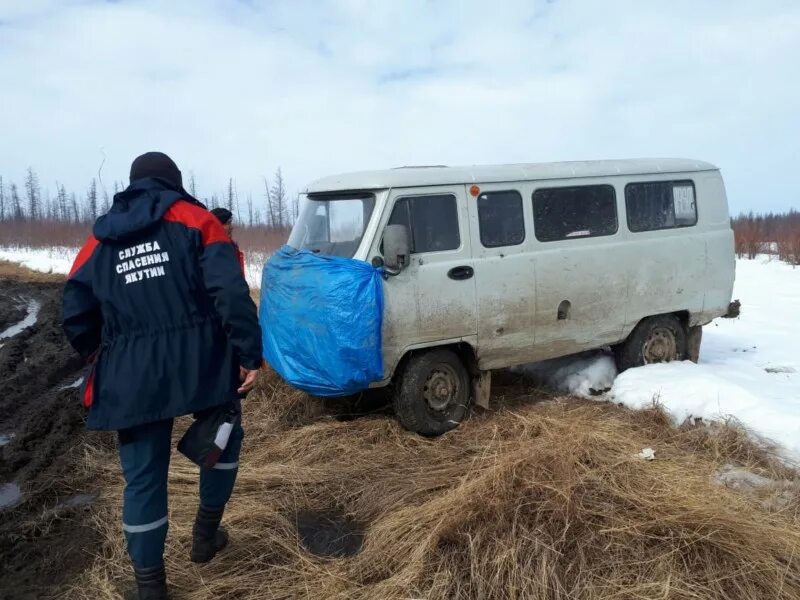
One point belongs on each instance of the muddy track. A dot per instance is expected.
(42, 425)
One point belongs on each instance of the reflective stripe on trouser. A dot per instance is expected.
(144, 453)
(216, 485)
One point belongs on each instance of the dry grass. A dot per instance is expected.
(14, 272)
(532, 500)
(47, 233)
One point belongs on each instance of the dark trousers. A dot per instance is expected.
(144, 452)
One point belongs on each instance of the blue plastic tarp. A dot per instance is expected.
(321, 320)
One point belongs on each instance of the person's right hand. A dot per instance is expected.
(248, 379)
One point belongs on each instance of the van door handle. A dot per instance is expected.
(460, 273)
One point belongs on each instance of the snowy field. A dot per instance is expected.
(749, 367)
(59, 260)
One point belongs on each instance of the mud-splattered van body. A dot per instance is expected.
(495, 266)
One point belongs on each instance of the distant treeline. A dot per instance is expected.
(31, 216)
(768, 233)
(274, 208)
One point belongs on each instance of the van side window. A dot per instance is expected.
(500, 219)
(574, 212)
(432, 221)
(656, 205)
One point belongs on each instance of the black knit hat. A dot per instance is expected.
(156, 164)
(223, 215)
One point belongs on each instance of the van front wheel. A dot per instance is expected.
(654, 340)
(433, 393)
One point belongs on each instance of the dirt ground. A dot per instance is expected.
(539, 497)
(41, 431)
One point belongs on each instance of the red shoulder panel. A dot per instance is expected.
(193, 216)
(84, 255)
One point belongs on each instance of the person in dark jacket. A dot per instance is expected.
(225, 217)
(156, 303)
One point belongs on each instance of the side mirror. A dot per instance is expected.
(396, 247)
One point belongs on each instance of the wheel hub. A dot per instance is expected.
(441, 388)
(660, 346)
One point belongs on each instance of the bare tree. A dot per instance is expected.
(61, 199)
(34, 193)
(270, 216)
(278, 200)
(91, 201)
(296, 208)
(76, 215)
(16, 204)
(192, 185)
(238, 211)
(2, 200)
(50, 206)
(250, 209)
(106, 201)
(230, 194)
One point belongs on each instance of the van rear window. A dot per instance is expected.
(574, 212)
(654, 205)
(500, 219)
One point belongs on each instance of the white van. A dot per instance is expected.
(495, 266)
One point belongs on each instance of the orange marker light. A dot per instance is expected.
(474, 190)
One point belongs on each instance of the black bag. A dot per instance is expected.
(206, 439)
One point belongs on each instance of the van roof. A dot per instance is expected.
(441, 175)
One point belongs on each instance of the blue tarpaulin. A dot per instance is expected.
(321, 321)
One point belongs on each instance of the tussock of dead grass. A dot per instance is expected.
(13, 272)
(531, 500)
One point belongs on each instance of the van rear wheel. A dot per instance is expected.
(654, 340)
(433, 393)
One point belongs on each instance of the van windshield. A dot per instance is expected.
(332, 225)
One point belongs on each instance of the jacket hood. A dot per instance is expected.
(141, 205)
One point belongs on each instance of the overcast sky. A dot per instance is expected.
(235, 89)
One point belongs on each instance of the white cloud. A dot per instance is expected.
(236, 89)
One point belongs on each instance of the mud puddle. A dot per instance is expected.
(41, 437)
(32, 312)
(329, 534)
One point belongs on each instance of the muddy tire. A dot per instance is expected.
(654, 340)
(433, 392)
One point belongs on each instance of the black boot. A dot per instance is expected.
(208, 537)
(151, 584)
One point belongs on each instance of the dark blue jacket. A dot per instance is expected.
(157, 301)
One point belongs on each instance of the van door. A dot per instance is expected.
(505, 278)
(581, 268)
(432, 300)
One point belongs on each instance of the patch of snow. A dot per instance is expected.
(647, 454)
(588, 374)
(57, 259)
(773, 494)
(737, 478)
(10, 495)
(74, 384)
(253, 266)
(749, 367)
(30, 319)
